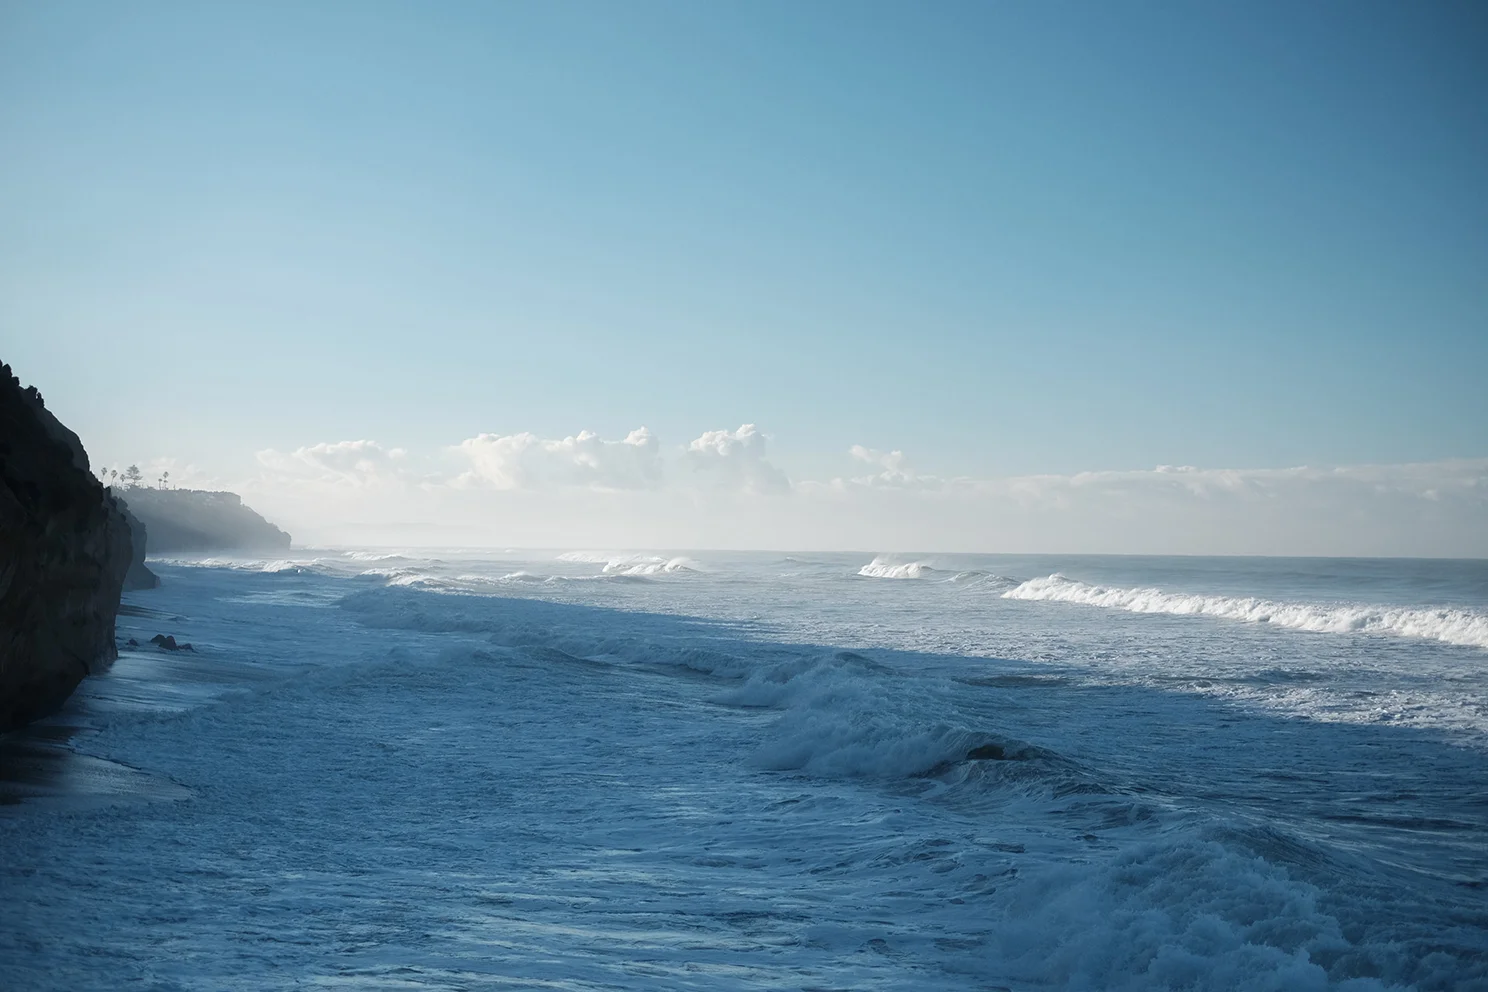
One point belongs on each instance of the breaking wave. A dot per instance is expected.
(1449, 625)
(620, 564)
(650, 566)
(883, 567)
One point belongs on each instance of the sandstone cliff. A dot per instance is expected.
(195, 520)
(64, 551)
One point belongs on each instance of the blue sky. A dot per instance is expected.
(1007, 239)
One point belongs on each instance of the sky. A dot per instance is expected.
(1129, 277)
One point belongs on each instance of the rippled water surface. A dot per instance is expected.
(589, 770)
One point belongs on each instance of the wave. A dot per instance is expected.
(390, 572)
(517, 576)
(651, 566)
(272, 566)
(882, 567)
(238, 564)
(633, 565)
(409, 577)
(1449, 625)
(885, 567)
(295, 567)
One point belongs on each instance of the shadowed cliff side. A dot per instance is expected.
(196, 520)
(138, 576)
(64, 551)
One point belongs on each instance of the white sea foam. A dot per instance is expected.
(650, 566)
(1451, 625)
(631, 564)
(270, 565)
(241, 564)
(883, 567)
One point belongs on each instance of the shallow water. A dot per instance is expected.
(448, 770)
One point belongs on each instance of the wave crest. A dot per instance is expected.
(883, 567)
(1449, 625)
(632, 565)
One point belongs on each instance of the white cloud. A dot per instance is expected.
(356, 464)
(736, 459)
(521, 489)
(895, 473)
(526, 461)
(1460, 478)
(1427, 509)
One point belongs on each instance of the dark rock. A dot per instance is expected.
(64, 550)
(168, 642)
(132, 643)
(196, 520)
(138, 576)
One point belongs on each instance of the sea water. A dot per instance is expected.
(594, 770)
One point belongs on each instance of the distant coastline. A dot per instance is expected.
(199, 520)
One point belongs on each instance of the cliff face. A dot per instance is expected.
(64, 550)
(138, 576)
(194, 520)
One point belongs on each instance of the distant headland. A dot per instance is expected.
(197, 520)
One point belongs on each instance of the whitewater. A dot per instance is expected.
(608, 769)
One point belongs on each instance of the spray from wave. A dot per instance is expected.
(1450, 625)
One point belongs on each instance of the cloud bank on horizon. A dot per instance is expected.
(722, 490)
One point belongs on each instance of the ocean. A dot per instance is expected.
(455, 769)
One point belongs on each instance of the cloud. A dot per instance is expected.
(736, 460)
(633, 491)
(356, 464)
(894, 473)
(526, 461)
(1462, 479)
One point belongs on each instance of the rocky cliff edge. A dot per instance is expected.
(64, 550)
